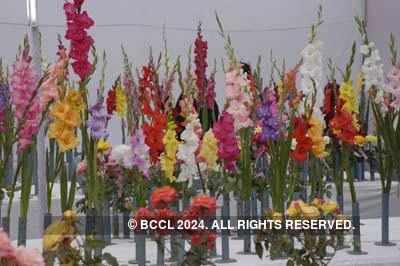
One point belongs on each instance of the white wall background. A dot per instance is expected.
(337, 32)
(382, 20)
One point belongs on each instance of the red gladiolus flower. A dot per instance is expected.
(342, 127)
(150, 95)
(303, 142)
(111, 105)
(154, 132)
(162, 197)
(200, 61)
(329, 105)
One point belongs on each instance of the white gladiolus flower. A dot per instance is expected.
(122, 154)
(364, 49)
(311, 68)
(186, 152)
(372, 70)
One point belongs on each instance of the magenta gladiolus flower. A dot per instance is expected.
(228, 148)
(27, 108)
(78, 23)
(210, 95)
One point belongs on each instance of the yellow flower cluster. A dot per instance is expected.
(120, 101)
(168, 158)
(315, 132)
(361, 140)
(299, 209)
(349, 97)
(66, 118)
(209, 149)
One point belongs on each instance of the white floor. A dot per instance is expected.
(124, 250)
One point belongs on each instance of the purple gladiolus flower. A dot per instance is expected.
(98, 121)
(268, 115)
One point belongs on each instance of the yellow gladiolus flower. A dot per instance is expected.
(103, 145)
(67, 140)
(315, 132)
(120, 101)
(168, 158)
(359, 140)
(74, 99)
(209, 149)
(72, 118)
(349, 97)
(59, 110)
(56, 129)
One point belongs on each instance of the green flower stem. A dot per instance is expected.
(349, 173)
(245, 162)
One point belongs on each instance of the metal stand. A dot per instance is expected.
(224, 233)
(140, 249)
(48, 217)
(246, 233)
(385, 221)
(115, 224)
(21, 231)
(126, 231)
(356, 231)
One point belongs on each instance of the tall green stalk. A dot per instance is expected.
(279, 152)
(245, 162)
(349, 173)
(26, 181)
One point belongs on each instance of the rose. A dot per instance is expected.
(205, 205)
(162, 197)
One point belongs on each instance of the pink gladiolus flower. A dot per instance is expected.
(394, 86)
(49, 90)
(27, 106)
(239, 99)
